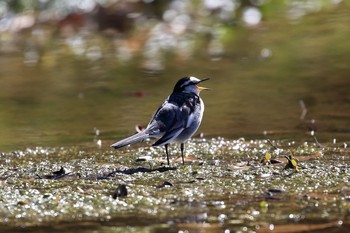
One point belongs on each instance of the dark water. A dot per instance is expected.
(256, 84)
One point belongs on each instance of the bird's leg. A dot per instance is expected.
(167, 153)
(182, 145)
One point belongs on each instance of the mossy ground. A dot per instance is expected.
(223, 186)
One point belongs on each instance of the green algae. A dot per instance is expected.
(224, 186)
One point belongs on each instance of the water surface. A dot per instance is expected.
(65, 110)
(62, 99)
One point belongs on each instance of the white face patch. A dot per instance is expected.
(194, 79)
(186, 83)
(191, 80)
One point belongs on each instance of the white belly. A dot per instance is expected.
(193, 125)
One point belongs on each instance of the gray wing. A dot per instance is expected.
(170, 120)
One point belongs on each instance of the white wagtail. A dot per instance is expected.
(176, 120)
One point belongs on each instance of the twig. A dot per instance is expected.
(273, 146)
(317, 143)
(303, 109)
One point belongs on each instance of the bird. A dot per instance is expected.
(176, 120)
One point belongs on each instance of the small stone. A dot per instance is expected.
(165, 184)
(275, 190)
(121, 191)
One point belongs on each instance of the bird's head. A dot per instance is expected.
(190, 84)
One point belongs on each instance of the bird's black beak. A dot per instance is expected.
(205, 79)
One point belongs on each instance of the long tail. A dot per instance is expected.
(130, 140)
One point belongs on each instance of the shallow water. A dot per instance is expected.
(65, 111)
(223, 186)
(62, 99)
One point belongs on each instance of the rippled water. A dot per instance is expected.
(283, 81)
(63, 100)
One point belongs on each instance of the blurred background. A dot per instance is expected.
(85, 72)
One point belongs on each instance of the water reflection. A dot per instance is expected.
(150, 28)
(251, 16)
(64, 66)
